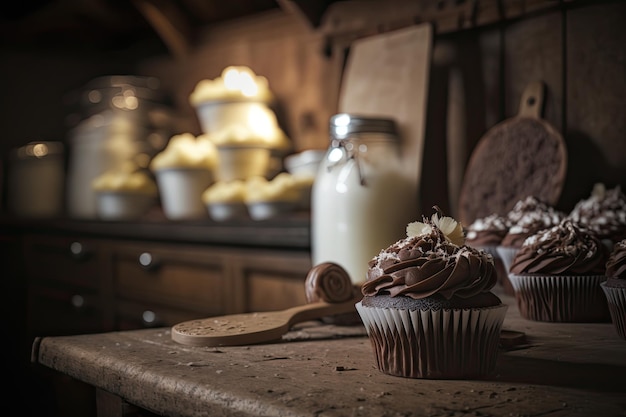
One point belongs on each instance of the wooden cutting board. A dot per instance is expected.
(387, 75)
(520, 156)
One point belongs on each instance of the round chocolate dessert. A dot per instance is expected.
(428, 307)
(557, 274)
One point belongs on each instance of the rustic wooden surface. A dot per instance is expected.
(328, 370)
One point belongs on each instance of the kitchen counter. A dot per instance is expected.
(328, 370)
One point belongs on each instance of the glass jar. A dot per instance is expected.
(36, 180)
(362, 200)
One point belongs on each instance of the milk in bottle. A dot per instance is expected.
(362, 201)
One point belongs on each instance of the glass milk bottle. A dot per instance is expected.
(362, 201)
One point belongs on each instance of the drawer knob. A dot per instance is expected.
(149, 317)
(78, 250)
(78, 301)
(148, 261)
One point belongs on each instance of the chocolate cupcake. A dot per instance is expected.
(557, 273)
(428, 307)
(615, 287)
(526, 218)
(486, 233)
(603, 213)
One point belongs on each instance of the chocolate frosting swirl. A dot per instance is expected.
(564, 249)
(616, 265)
(427, 264)
(528, 217)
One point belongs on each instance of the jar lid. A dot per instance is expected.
(343, 125)
(38, 150)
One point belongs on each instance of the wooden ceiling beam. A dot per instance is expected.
(170, 23)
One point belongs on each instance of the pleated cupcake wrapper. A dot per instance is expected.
(616, 298)
(434, 344)
(561, 298)
(507, 254)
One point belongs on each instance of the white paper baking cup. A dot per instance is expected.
(561, 298)
(507, 254)
(263, 210)
(215, 115)
(220, 212)
(115, 205)
(181, 192)
(616, 299)
(434, 344)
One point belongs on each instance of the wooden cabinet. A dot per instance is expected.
(66, 284)
(99, 280)
(158, 284)
(88, 283)
(269, 281)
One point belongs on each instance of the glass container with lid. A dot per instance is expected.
(362, 200)
(36, 179)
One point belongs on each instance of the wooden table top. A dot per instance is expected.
(327, 370)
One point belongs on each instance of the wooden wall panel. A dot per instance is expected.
(464, 102)
(476, 80)
(276, 45)
(533, 50)
(596, 98)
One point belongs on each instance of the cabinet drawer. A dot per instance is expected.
(268, 292)
(133, 315)
(274, 281)
(180, 277)
(61, 311)
(73, 261)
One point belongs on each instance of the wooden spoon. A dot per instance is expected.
(328, 286)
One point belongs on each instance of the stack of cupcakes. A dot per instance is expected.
(428, 306)
(615, 287)
(557, 274)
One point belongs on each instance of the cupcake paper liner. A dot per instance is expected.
(507, 254)
(616, 298)
(501, 269)
(561, 298)
(434, 344)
